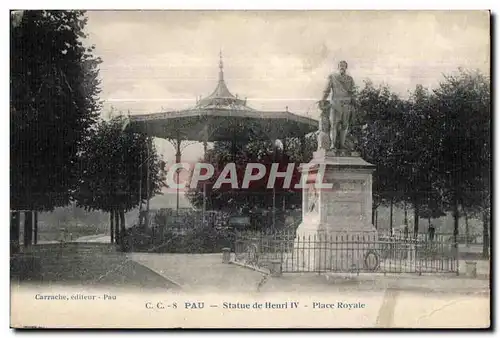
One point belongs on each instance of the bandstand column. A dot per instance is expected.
(149, 140)
(283, 206)
(205, 146)
(177, 161)
(275, 153)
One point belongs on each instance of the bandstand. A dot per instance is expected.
(222, 116)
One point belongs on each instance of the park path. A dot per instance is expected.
(100, 238)
(200, 272)
(392, 301)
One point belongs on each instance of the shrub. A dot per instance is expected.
(196, 240)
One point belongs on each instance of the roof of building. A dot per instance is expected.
(221, 97)
(222, 116)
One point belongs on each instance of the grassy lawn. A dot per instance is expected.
(83, 264)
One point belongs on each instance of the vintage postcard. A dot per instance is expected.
(250, 169)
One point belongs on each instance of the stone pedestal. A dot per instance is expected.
(336, 233)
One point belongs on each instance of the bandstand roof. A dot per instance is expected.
(221, 116)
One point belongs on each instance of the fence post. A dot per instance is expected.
(276, 268)
(226, 255)
(471, 269)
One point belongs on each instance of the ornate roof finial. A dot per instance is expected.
(221, 67)
(221, 96)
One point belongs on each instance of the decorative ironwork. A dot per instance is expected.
(344, 252)
(372, 260)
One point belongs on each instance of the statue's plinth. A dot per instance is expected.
(336, 230)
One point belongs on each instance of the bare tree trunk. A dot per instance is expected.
(122, 229)
(456, 216)
(117, 226)
(28, 228)
(35, 228)
(391, 221)
(406, 214)
(15, 220)
(111, 226)
(416, 219)
(486, 237)
(466, 227)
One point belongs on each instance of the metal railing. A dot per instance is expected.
(344, 252)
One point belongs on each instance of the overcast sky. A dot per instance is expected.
(154, 60)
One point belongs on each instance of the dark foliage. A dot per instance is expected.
(54, 87)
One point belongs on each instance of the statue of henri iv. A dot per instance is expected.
(337, 113)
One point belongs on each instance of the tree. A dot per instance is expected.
(418, 144)
(54, 102)
(463, 171)
(398, 136)
(120, 170)
(378, 134)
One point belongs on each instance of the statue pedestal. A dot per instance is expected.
(336, 232)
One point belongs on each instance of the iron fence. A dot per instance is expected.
(344, 252)
(473, 238)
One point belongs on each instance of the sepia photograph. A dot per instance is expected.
(250, 169)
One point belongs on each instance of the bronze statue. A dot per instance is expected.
(340, 108)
